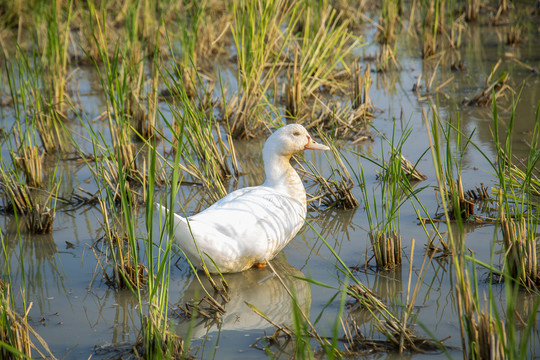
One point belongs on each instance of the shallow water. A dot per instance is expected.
(77, 314)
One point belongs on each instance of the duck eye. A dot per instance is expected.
(296, 133)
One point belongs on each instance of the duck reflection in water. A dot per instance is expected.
(261, 288)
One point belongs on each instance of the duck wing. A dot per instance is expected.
(247, 226)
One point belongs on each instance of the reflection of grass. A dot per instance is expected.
(17, 337)
(324, 43)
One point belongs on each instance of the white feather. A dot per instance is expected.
(251, 225)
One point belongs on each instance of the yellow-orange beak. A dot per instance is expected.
(312, 145)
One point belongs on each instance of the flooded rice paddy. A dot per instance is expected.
(63, 278)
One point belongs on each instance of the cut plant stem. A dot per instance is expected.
(520, 248)
(387, 249)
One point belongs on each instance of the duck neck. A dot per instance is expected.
(281, 176)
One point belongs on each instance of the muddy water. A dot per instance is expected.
(78, 315)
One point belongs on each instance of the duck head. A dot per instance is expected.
(292, 139)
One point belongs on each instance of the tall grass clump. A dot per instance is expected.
(56, 55)
(487, 331)
(138, 262)
(261, 32)
(462, 203)
(24, 73)
(318, 54)
(28, 157)
(119, 204)
(383, 215)
(432, 24)
(389, 21)
(361, 103)
(198, 137)
(120, 75)
(477, 324)
(323, 44)
(15, 340)
(518, 204)
(157, 338)
(36, 206)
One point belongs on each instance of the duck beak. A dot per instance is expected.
(312, 145)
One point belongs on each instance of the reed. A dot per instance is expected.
(475, 323)
(194, 17)
(15, 340)
(340, 121)
(31, 162)
(432, 21)
(293, 90)
(121, 80)
(485, 337)
(119, 204)
(463, 203)
(157, 338)
(515, 35)
(145, 126)
(472, 9)
(149, 280)
(126, 248)
(386, 59)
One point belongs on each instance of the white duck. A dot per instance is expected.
(250, 226)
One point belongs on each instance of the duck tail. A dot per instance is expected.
(162, 209)
(182, 234)
(181, 227)
(165, 213)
